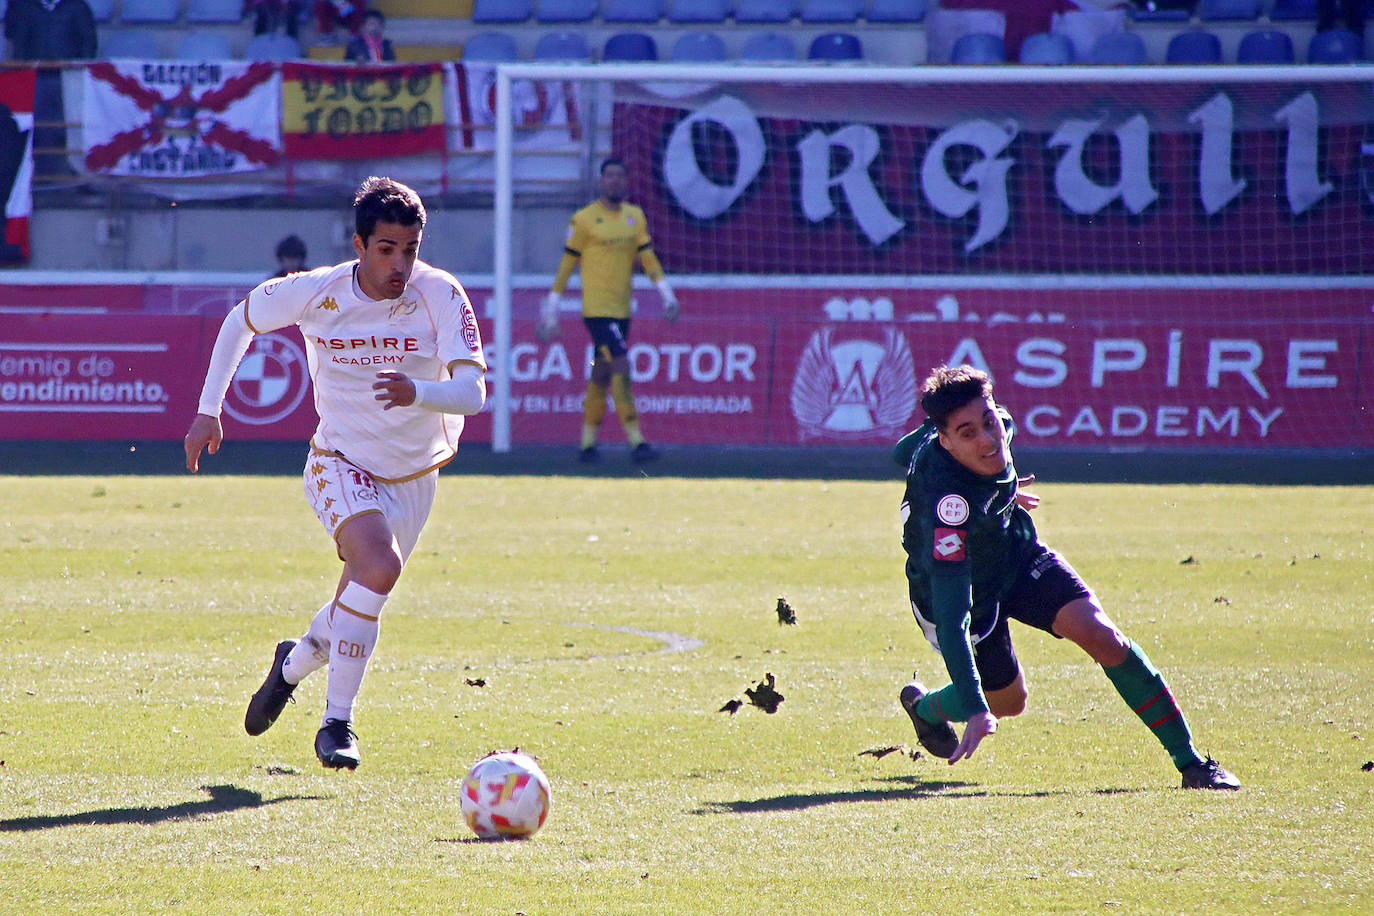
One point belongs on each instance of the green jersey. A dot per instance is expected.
(966, 540)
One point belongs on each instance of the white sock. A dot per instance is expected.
(312, 651)
(356, 625)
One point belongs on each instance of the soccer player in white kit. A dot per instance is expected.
(396, 361)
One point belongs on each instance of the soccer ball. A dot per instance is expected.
(505, 796)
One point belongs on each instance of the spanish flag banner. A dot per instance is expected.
(348, 111)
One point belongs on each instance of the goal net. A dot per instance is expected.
(1144, 258)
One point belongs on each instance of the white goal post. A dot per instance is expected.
(1303, 207)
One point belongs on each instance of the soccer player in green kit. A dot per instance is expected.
(974, 562)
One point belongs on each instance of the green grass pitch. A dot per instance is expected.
(139, 614)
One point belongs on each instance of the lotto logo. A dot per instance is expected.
(949, 544)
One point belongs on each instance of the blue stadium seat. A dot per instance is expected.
(1163, 10)
(103, 9)
(562, 46)
(1287, 10)
(1194, 46)
(630, 46)
(1229, 9)
(1122, 48)
(1334, 46)
(502, 10)
(204, 46)
(711, 11)
(765, 10)
(150, 11)
(565, 10)
(1047, 48)
(978, 48)
(1265, 46)
(134, 44)
(631, 10)
(272, 46)
(831, 10)
(698, 46)
(836, 46)
(896, 11)
(214, 10)
(491, 47)
(768, 46)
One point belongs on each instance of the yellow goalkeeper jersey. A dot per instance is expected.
(606, 243)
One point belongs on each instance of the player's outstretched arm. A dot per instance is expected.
(206, 431)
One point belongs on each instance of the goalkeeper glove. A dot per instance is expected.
(546, 328)
(671, 308)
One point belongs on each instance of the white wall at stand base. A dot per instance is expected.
(188, 238)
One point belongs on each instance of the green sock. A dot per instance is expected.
(942, 705)
(1144, 690)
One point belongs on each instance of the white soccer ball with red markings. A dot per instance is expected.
(506, 796)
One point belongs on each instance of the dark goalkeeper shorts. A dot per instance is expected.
(1046, 583)
(610, 336)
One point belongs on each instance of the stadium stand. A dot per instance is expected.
(1215, 10)
(491, 47)
(630, 46)
(272, 46)
(502, 10)
(562, 46)
(150, 11)
(202, 11)
(699, 11)
(565, 10)
(103, 10)
(896, 11)
(1288, 10)
(1265, 46)
(698, 46)
(978, 48)
(631, 10)
(768, 46)
(836, 46)
(1156, 11)
(1125, 48)
(831, 10)
(199, 45)
(1046, 48)
(130, 43)
(1194, 46)
(1334, 46)
(766, 11)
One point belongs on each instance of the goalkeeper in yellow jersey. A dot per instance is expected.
(606, 236)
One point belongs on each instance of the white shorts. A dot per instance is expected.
(339, 491)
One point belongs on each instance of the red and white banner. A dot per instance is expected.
(546, 114)
(180, 119)
(16, 162)
(1149, 178)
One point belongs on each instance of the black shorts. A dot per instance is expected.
(1045, 584)
(610, 336)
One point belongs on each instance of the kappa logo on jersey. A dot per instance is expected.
(952, 509)
(949, 544)
(854, 389)
(330, 304)
(271, 382)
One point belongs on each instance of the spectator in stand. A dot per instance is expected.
(1350, 12)
(271, 16)
(370, 45)
(49, 30)
(290, 256)
(329, 14)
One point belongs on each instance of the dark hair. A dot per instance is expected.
(613, 160)
(375, 14)
(948, 388)
(385, 200)
(291, 247)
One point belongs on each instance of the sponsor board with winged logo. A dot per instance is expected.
(855, 387)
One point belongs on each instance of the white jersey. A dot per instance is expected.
(349, 338)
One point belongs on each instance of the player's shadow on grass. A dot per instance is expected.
(221, 800)
(913, 787)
